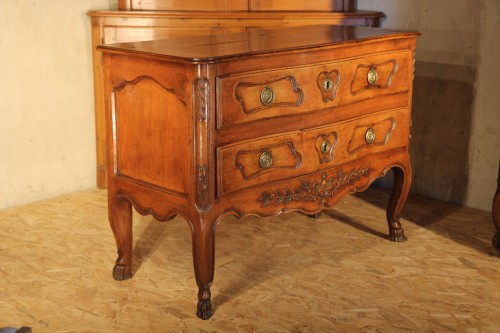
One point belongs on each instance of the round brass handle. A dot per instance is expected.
(372, 76)
(370, 135)
(325, 147)
(265, 160)
(327, 84)
(267, 95)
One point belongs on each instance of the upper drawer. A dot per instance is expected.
(251, 97)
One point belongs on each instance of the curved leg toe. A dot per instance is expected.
(204, 308)
(121, 272)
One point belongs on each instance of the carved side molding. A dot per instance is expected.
(201, 104)
(279, 156)
(382, 131)
(202, 195)
(201, 89)
(318, 191)
(328, 84)
(258, 96)
(373, 76)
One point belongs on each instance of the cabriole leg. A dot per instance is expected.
(400, 190)
(204, 259)
(120, 218)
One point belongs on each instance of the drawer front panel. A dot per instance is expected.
(251, 97)
(292, 154)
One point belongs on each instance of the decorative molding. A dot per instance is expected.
(331, 93)
(202, 195)
(359, 132)
(139, 79)
(289, 147)
(294, 89)
(364, 69)
(332, 139)
(149, 211)
(318, 191)
(201, 91)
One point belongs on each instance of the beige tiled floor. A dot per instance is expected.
(338, 273)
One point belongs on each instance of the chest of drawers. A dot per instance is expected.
(257, 123)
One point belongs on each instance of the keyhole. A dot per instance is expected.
(328, 84)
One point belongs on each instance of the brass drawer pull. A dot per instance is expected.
(325, 147)
(372, 76)
(267, 95)
(265, 160)
(370, 135)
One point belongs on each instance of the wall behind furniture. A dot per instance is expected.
(456, 107)
(46, 100)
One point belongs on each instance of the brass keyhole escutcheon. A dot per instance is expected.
(327, 84)
(267, 95)
(325, 147)
(372, 76)
(265, 160)
(370, 135)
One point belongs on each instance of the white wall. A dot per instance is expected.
(456, 110)
(46, 100)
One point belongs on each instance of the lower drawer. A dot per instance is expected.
(250, 163)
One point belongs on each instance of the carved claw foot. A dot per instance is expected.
(496, 242)
(204, 304)
(396, 232)
(204, 309)
(121, 272)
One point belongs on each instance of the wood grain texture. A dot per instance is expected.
(286, 273)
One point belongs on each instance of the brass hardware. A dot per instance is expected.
(267, 95)
(370, 135)
(327, 84)
(325, 147)
(265, 160)
(372, 76)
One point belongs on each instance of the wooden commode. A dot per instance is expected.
(261, 122)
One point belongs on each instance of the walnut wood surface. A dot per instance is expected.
(168, 156)
(216, 47)
(128, 26)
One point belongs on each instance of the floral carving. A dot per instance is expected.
(318, 191)
(201, 88)
(202, 199)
